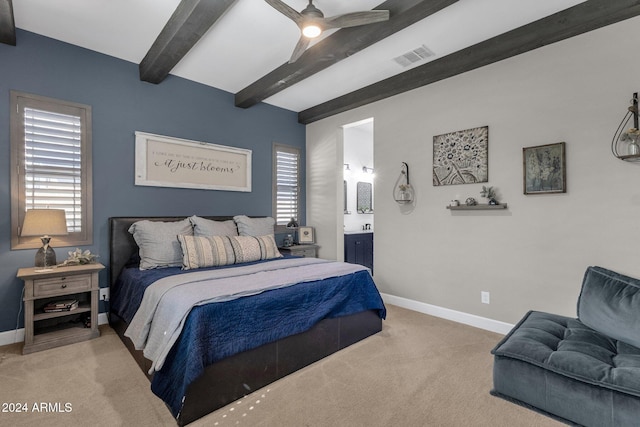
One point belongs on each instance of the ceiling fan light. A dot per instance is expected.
(311, 31)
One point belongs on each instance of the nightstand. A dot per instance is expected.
(47, 330)
(308, 251)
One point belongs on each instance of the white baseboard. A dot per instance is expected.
(11, 337)
(17, 335)
(102, 319)
(446, 313)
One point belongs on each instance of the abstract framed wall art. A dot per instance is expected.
(544, 169)
(461, 157)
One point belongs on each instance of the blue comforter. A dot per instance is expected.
(218, 330)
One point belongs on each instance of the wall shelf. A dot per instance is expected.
(477, 207)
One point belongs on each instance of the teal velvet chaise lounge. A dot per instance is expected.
(583, 371)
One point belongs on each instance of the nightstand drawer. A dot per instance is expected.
(61, 285)
(311, 252)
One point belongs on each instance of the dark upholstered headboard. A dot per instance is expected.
(121, 243)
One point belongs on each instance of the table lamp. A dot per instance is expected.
(45, 223)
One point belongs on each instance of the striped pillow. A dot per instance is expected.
(250, 248)
(213, 251)
(206, 251)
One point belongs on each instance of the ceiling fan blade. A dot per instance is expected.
(356, 18)
(286, 10)
(302, 45)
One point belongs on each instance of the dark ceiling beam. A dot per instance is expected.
(340, 45)
(7, 23)
(190, 21)
(579, 19)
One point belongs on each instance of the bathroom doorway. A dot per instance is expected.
(358, 185)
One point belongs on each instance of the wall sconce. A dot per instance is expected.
(624, 144)
(403, 192)
(367, 170)
(346, 167)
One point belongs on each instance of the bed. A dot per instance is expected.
(226, 350)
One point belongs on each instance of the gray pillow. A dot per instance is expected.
(254, 226)
(208, 227)
(158, 242)
(609, 302)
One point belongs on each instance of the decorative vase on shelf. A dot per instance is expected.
(633, 149)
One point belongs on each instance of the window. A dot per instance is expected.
(286, 188)
(51, 166)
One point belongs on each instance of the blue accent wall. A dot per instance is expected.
(122, 104)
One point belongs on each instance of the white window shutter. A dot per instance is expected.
(287, 184)
(53, 163)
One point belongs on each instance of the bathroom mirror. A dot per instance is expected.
(364, 197)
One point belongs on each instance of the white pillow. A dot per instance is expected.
(254, 226)
(158, 242)
(208, 227)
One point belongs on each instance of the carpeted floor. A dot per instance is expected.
(419, 371)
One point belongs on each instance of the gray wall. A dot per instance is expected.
(122, 104)
(532, 255)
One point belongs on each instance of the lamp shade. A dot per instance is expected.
(44, 222)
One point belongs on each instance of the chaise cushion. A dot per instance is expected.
(610, 304)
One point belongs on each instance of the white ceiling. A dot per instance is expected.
(252, 38)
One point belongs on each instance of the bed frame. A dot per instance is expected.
(236, 376)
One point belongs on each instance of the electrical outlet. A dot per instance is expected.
(485, 297)
(104, 294)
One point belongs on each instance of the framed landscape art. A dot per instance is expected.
(544, 169)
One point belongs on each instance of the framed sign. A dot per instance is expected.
(163, 161)
(544, 169)
(305, 235)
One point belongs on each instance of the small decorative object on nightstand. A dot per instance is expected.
(79, 257)
(288, 241)
(308, 251)
(306, 235)
(44, 330)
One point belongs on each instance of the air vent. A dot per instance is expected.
(414, 56)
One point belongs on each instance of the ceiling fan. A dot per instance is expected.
(312, 22)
